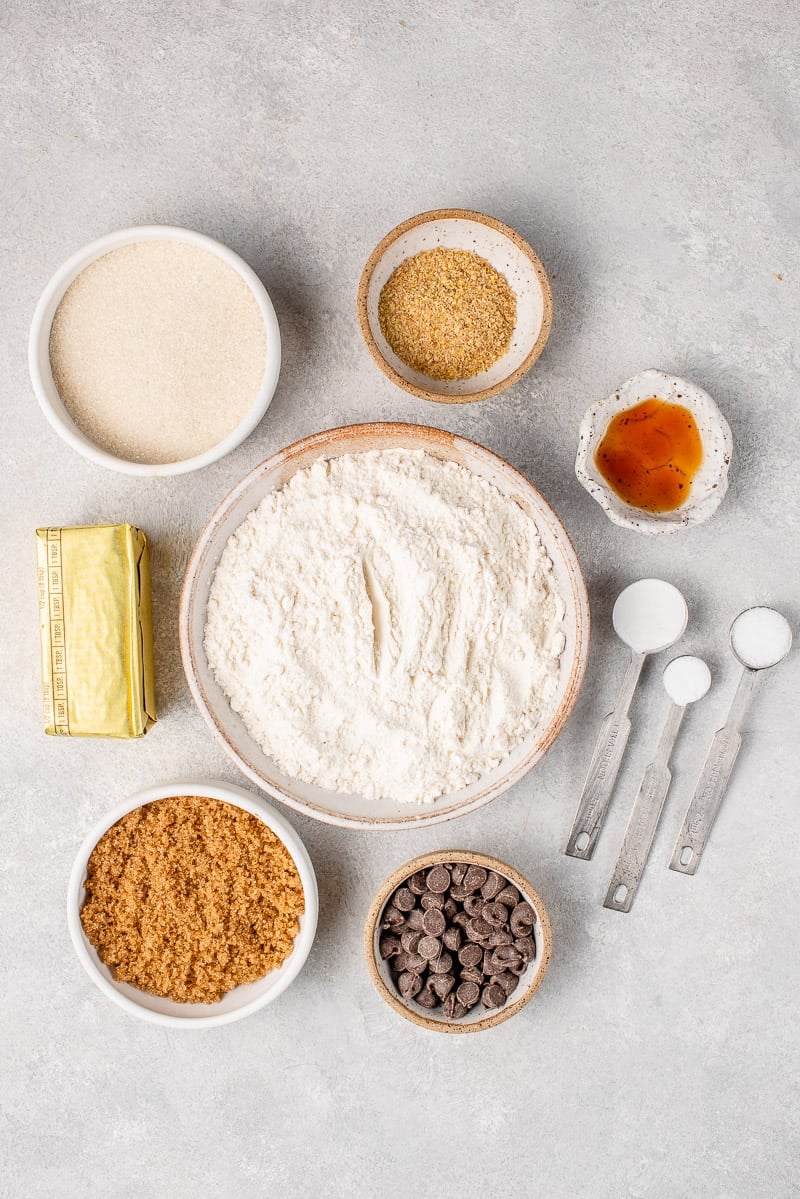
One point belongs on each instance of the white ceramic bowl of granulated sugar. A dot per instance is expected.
(161, 358)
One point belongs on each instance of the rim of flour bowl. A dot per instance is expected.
(282, 465)
(41, 373)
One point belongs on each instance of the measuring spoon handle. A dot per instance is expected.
(604, 768)
(644, 819)
(638, 838)
(712, 784)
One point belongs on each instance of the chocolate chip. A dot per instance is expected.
(417, 883)
(389, 945)
(453, 1008)
(459, 893)
(442, 985)
(495, 913)
(527, 947)
(504, 957)
(508, 981)
(522, 920)
(427, 997)
(409, 985)
(509, 896)
(404, 899)
(450, 909)
(415, 919)
(472, 974)
(410, 940)
(430, 900)
(434, 922)
(457, 872)
(438, 879)
(451, 938)
(429, 948)
(461, 919)
(493, 886)
(486, 962)
(474, 905)
(392, 919)
(441, 965)
(415, 962)
(501, 936)
(470, 955)
(468, 993)
(493, 996)
(477, 929)
(475, 877)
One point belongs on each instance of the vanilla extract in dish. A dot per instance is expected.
(650, 453)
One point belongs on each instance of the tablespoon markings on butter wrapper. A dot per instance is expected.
(760, 638)
(648, 616)
(686, 680)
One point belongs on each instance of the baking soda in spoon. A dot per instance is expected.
(686, 680)
(760, 638)
(648, 616)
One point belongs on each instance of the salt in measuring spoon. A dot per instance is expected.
(760, 638)
(649, 616)
(686, 680)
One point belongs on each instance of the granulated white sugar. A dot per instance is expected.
(387, 624)
(158, 351)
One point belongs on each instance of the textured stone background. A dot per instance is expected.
(649, 152)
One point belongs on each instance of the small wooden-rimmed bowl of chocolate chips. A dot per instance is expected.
(457, 941)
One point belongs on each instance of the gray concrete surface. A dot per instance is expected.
(650, 153)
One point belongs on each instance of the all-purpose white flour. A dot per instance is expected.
(386, 624)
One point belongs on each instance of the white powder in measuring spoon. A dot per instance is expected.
(761, 638)
(386, 624)
(158, 351)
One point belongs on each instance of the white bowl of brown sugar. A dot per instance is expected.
(192, 905)
(154, 351)
(454, 306)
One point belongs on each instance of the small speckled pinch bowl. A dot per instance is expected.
(508, 253)
(478, 1018)
(41, 373)
(710, 484)
(241, 1001)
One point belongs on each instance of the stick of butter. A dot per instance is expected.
(96, 630)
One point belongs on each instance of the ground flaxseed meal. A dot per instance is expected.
(447, 313)
(189, 897)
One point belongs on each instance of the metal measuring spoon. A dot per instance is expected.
(686, 680)
(648, 616)
(760, 638)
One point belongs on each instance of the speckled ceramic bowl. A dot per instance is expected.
(227, 726)
(478, 1018)
(711, 481)
(460, 229)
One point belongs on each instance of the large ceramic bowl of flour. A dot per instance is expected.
(384, 626)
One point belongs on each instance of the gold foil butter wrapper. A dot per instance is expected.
(97, 631)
